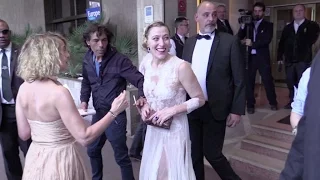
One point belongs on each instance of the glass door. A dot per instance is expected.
(281, 17)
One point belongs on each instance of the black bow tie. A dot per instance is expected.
(207, 37)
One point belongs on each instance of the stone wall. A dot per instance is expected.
(19, 13)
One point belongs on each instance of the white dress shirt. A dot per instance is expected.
(255, 31)
(297, 24)
(172, 50)
(200, 59)
(8, 53)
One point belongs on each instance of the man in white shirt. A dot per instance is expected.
(260, 36)
(295, 48)
(217, 63)
(9, 85)
(177, 41)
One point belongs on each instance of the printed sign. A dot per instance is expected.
(148, 14)
(94, 14)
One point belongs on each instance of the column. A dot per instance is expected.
(158, 15)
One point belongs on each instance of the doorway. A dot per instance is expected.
(281, 16)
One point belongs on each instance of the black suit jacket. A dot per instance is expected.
(224, 28)
(303, 158)
(264, 35)
(225, 75)
(15, 80)
(297, 47)
(179, 45)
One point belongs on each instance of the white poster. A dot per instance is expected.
(94, 4)
(148, 14)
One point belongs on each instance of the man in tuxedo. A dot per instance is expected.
(296, 46)
(222, 23)
(303, 157)
(177, 41)
(260, 36)
(10, 83)
(217, 63)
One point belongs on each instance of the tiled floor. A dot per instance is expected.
(112, 172)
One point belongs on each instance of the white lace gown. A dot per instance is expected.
(166, 153)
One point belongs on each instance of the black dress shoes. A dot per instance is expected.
(274, 107)
(250, 110)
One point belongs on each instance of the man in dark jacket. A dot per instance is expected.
(105, 75)
(303, 157)
(222, 22)
(296, 46)
(10, 84)
(177, 41)
(261, 32)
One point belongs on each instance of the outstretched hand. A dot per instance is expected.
(120, 103)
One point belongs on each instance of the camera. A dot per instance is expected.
(246, 16)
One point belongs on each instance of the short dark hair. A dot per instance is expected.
(100, 29)
(179, 20)
(260, 4)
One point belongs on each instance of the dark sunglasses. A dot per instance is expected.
(5, 31)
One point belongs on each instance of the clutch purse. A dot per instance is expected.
(165, 125)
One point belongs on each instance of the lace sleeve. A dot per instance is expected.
(142, 64)
(192, 104)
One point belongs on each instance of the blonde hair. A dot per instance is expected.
(40, 56)
(147, 31)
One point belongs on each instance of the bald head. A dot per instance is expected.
(206, 16)
(204, 4)
(4, 34)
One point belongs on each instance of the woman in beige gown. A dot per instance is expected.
(46, 111)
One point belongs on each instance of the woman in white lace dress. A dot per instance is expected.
(167, 152)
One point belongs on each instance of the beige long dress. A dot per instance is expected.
(53, 154)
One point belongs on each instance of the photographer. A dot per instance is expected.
(257, 42)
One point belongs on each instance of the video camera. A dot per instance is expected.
(246, 16)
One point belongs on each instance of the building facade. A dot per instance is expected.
(65, 15)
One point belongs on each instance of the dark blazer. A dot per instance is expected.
(303, 157)
(15, 80)
(263, 38)
(297, 47)
(179, 45)
(225, 75)
(224, 28)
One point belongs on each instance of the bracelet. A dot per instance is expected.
(112, 114)
(295, 130)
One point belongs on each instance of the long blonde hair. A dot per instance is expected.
(40, 57)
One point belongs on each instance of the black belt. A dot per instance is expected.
(8, 105)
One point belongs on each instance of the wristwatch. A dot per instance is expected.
(295, 130)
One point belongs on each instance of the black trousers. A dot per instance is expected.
(294, 73)
(116, 134)
(207, 137)
(262, 64)
(138, 140)
(10, 143)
